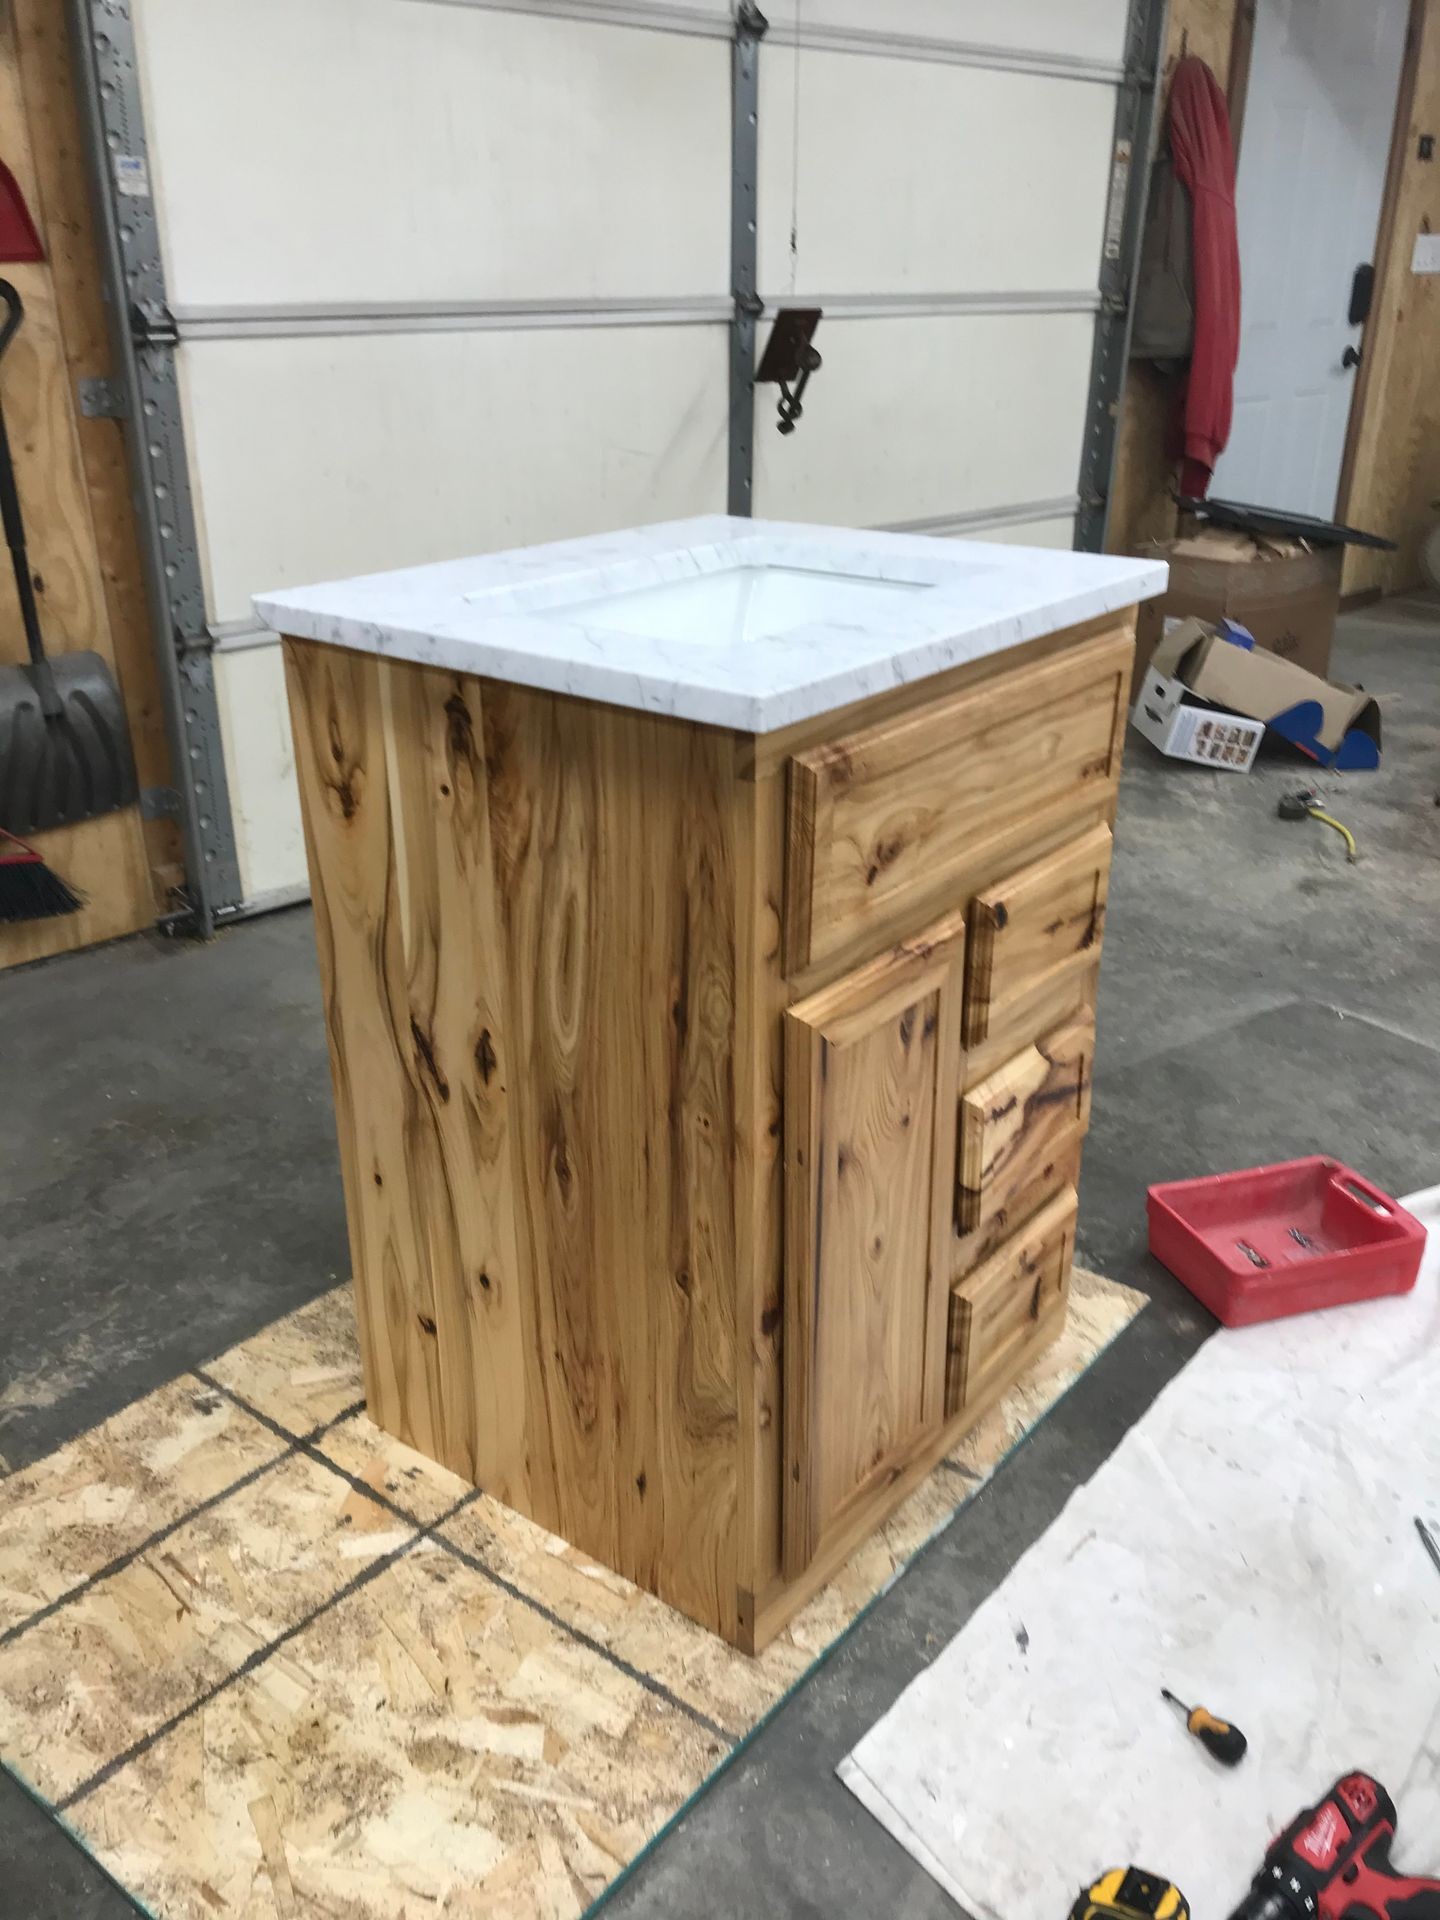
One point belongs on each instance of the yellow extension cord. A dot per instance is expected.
(1319, 813)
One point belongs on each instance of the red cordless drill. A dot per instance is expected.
(1333, 1863)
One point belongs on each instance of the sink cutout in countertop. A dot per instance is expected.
(739, 604)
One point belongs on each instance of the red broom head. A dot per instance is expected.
(28, 888)
(18, 238)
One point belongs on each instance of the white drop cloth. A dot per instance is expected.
(1250, 1544)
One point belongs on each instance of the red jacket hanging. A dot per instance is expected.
(1205, 164)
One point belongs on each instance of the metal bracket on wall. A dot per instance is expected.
(1133, 150)
(101, 399)
(750, 29)
(144, 342)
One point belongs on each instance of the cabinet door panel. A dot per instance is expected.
(1028, 932)
(872, 1069)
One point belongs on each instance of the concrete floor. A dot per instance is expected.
(170, 1185)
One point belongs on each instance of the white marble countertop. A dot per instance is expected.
(750, 624)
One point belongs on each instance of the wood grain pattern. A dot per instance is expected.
(759, 1189)
(1007, 1310)
(1015, 1123)
(900, 817)
(525, 908)
(1032, 930)
(52, 112)
(652, 1240)
(1392, 478)
(102, 859)
(615, 863)
(762, 754)
(872, 1072)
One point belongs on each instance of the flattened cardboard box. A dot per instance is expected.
(1285, 594)
(1337, 726)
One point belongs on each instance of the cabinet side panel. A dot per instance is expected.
(614, 835)
(338, 727)
(393, 791)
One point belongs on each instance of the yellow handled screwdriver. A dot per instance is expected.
(1220, 1740)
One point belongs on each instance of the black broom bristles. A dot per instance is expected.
(30, 890)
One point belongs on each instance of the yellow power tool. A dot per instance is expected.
(1129, 1893)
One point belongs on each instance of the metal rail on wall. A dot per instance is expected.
(144, 341)
(1132, 154)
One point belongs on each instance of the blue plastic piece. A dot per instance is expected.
(1301, 724)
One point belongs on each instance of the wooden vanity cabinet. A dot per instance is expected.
(710, 1104)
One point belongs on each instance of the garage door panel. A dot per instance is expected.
(910, 419)
(260, 765)
(1077, 30)
(967, 180)
(315, 458)
(345, 151)
(1033, 533)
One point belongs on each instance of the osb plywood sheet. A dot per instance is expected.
(340, 1681)
(95, 1500)
(423, 1747)
(119, 1660)
(302, 1372)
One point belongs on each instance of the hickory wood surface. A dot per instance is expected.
(921, 809)
(759, 1190)
(556, 999)
(762, 754)
(615, 863)
(1014, 1123)
(1391, 480)
(1001, 1314)
(525, 916)
(102, 859)
(1031, 930)
(870, 1088)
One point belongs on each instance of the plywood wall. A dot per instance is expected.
(1141, 506)
(1394, 467)
(71, 477)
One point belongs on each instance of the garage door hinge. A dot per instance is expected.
(102, 399)
(750, 22)
(1114, 305)
(153, 325)
(187, 645)
(750, 303)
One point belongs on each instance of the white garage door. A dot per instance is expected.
(451, 276)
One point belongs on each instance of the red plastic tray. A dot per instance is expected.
(1269, 1241)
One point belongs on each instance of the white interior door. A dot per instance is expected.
(1319, 113)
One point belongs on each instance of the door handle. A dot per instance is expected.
(1350, 358)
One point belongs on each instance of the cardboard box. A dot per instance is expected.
(1335, 725)
(1176, 721)
(1284, 593)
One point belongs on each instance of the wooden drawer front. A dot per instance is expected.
(1030, 931)
(1006, 1311)
(872, 1070)
(924, 808)
(1018, 1122)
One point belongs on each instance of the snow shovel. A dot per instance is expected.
(64, 745)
